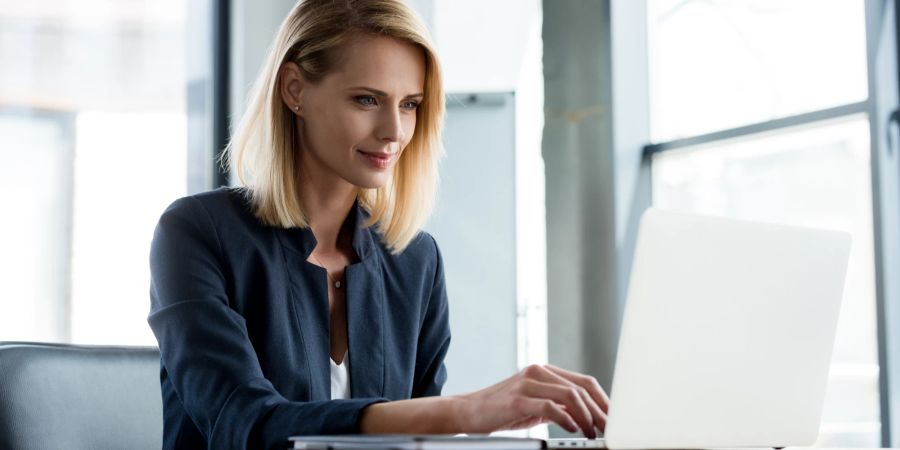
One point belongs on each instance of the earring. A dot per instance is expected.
(296, 108)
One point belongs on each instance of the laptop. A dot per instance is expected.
(726, 336)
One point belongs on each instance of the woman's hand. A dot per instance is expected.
(536, 395)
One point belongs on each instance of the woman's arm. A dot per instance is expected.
(210, 363)
(535, 395)
(427, 415)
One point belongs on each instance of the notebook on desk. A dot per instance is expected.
(726, 336)
(413, 442)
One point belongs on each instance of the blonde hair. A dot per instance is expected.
(263, 154)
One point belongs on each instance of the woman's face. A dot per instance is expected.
(355, 122)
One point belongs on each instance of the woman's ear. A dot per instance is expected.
(292, 84)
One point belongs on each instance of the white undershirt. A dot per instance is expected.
(340, 378)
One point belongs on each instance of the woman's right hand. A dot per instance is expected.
(537, 394)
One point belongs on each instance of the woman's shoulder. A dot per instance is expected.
(423, 244)
(223, 210)
(220, 202)
(421, 255)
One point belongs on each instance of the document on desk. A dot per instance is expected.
(414, 442)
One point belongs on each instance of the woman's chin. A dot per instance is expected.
(370, 181)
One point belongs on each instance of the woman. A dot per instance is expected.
(308, 301)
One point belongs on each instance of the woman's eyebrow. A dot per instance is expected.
(382, 93)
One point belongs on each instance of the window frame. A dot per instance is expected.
(209, 85)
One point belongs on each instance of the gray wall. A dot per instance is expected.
(475, 227)
(597, 186)
(582, 308)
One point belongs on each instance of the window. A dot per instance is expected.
(93, 131)
(757, 108)
(720, 64)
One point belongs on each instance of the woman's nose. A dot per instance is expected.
(390, 128)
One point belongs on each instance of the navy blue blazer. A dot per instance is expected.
(241, 319)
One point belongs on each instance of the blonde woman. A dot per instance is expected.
(308, 301)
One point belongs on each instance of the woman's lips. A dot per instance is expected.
(378, 160)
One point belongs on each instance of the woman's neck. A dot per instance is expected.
(327, 204)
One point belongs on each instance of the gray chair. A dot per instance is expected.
(79, 397)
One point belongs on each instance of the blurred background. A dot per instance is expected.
(565, 120)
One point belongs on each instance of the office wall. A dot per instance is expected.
(596, 124)
(475, 227)
(253, 28)
(484, 44)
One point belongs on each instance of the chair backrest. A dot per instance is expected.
(79, 397)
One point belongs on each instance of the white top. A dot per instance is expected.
(340, 378)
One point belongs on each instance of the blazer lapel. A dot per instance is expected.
(308, 285)
(365, 312)
(365, 299)
(365, 328)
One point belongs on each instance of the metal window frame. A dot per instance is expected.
(756, 129)
(887, 431)
(221, 80)
(889, 383)
(208, 93)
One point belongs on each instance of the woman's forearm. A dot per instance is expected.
(429, 415)
(537, 394)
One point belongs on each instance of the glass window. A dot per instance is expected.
(718, 64)
(818, 176)
(36, 150)
(93, 130)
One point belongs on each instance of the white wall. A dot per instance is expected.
(483, 43)
(475, 227)
(253, 28)
(493, 47)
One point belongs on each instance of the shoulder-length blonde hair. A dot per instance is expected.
(263, 150)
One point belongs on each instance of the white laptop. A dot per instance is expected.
(727, 335)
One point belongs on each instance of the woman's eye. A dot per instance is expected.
(411, 105)
(366, 100)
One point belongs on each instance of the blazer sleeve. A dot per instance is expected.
(205, 348)
(434, 336)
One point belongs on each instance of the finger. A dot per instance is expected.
(549, 410)
(597, 414)
(588, 382)
(598, 417)
(569, 396)
(527, 422)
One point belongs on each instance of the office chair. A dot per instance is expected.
(79, 397)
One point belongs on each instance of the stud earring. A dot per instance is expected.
(296, 108)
